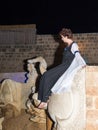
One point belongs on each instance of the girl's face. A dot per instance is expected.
(64, 39)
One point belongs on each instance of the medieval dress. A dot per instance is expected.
(59, 79)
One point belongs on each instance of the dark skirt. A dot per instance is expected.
(49, 78)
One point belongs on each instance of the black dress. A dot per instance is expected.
(50, 77)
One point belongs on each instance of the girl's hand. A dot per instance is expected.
(84, 66)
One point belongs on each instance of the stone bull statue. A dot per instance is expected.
(37, 115)
(16, 93)
(67, 110)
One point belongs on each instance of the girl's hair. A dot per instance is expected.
(66, 32)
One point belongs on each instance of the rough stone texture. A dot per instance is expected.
(92, 97)
(16, 43)
(17, 93)
(96, 103)
(21, 122)
(73, 117)
(14, 96)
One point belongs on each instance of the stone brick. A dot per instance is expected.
(89, 102)
(92, 91)
(92, 115)
(96, 103)
(92, 125)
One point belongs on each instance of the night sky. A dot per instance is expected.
(51, 15)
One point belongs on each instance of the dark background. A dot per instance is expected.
(51, 15)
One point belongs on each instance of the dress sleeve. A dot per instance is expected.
(79, 58)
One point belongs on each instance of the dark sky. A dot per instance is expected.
(51, 15)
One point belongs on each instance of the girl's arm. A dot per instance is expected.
(79, 58)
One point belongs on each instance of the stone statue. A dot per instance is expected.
(16, 93)
(1, 120)
(67, 110)
(37, 115)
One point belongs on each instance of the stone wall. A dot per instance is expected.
(16, 45)
(88, 43)
(92, 98)
(50, 48)
(13, 55)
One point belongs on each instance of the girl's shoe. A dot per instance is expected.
(42, 105)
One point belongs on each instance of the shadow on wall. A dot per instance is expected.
(58, 52)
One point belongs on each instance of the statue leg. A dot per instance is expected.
(38, 115)
(60, 108)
